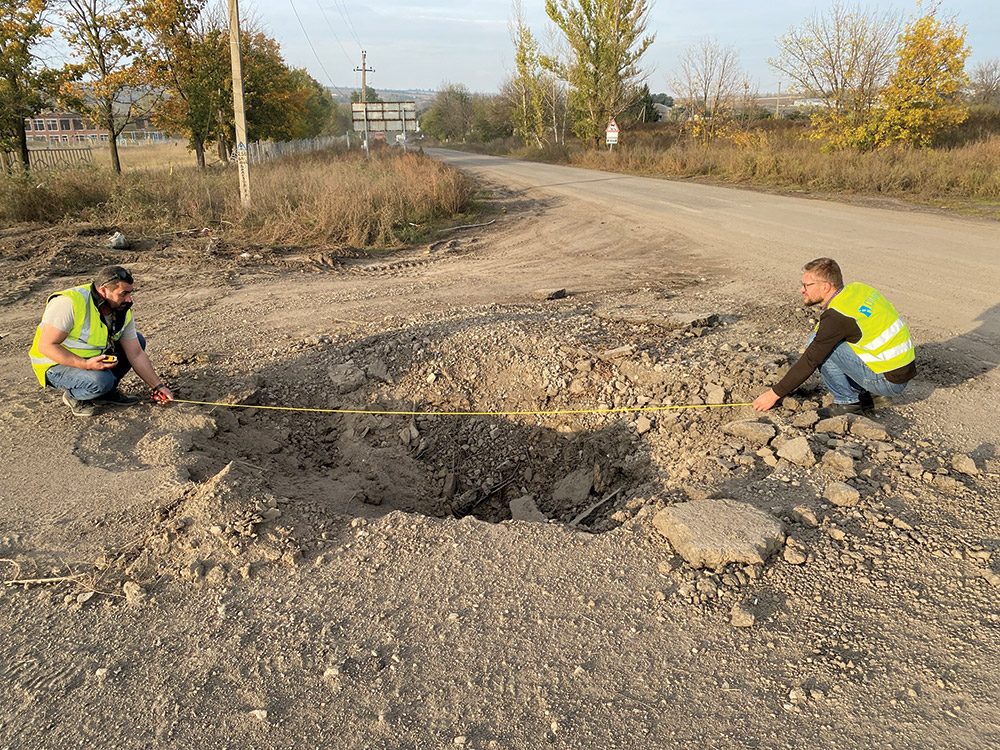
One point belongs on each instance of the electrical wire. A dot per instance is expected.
(315, 54)
(346, 16)
(333, 31)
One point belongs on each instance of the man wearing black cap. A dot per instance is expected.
(87, 342)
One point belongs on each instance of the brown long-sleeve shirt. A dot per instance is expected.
(834, 327)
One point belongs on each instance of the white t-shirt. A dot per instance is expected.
(59, 314)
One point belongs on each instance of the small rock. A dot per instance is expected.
(135, 595)
(837, 534)
(741, 617)
(716, 395)
(642, 425)
(833, 425)
(838, 462)
(805, 418)
(101, 674)
(805, 515)
(868, 429)
(547, 294)
(964, 465)
(525, 509)
(378, 370)
(259, 713)
(842, 495)
(992, 578)
(793, 555)
(751, 432)
(798, 452)
(574, 488)
(712, 533)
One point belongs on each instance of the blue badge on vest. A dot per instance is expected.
(866, 311)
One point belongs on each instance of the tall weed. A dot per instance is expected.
(324, 198)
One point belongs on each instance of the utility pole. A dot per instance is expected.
(364, 69)
(777, 101)
(242, 161)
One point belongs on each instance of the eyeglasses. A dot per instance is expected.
(121, 275)
(811, 283)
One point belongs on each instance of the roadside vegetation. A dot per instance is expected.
(891, 110)
(780, 155)
(321, 199)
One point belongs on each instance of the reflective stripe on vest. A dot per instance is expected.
(88, 338)
(885, 342)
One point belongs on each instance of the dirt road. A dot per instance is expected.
(266, 578)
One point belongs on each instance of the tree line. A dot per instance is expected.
(877, 79)
(168, 59)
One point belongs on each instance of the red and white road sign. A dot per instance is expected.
(611, 133)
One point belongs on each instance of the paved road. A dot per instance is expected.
(943, 271)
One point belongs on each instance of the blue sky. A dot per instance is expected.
(422, 44)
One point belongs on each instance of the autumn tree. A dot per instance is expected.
(525, 89)
(451, 114)
(985, 83)
(317, 107)
(24, 81)
(713, 89)
(845, 58)
(606, 40)
(924, 96)
(189, 61)
(103, 37)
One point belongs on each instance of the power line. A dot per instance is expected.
(309, 41)
(333, 31)
(346, 16)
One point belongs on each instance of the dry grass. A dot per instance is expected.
(781, 157)
(323, 199)
(165, 155)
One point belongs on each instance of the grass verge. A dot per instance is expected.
(320, 199)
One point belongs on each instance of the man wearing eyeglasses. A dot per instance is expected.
(87, 342)
(861, 347)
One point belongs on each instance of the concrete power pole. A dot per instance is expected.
(242, 160)
(364, 69)
(777, 101)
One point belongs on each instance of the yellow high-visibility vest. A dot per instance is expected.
(89, 337)
(885, 342)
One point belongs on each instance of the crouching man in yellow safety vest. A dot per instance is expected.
(861, 346)
(87, 342)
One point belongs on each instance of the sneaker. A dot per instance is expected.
(79, 408)
(871, 402)
(882, 402)
(836, 410)
(116, 398)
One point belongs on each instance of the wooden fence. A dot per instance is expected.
(49, 158)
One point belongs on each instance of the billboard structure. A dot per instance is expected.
(384, 117)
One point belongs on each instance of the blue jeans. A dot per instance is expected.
(846, 377)
(84, 385)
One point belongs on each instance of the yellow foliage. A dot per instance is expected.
(924, 95)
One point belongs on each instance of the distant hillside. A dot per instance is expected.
(390, 95)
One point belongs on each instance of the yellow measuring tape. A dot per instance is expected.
(466, 413)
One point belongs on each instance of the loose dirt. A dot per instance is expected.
(261, 577)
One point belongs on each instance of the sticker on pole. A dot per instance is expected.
(612, 133)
